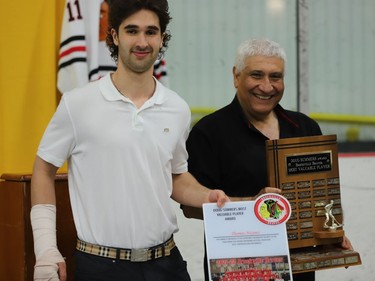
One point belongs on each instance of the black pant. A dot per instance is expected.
(94, 268)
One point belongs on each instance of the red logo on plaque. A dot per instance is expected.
(272, 208)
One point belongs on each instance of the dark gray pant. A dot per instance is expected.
(94, 268)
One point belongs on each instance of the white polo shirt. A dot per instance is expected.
(120, 160)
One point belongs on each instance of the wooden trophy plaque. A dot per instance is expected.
(306, 170)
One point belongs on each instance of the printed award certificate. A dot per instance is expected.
(247, 240)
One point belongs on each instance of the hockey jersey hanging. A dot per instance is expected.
(83, 54)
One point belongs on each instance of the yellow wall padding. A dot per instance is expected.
(30, 37)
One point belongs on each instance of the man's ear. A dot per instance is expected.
(162, 40)
(114, 36)
(235, 76)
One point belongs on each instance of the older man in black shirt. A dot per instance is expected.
(227, 148)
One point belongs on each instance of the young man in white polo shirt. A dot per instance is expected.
(124, 139)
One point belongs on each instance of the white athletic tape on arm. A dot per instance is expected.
(43, 222)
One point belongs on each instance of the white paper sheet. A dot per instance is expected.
(247, 240)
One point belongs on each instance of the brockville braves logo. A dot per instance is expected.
(272, 208)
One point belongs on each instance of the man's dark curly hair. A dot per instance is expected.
(119, 10)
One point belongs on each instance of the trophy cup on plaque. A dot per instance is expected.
(306, 170)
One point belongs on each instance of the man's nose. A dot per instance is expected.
(266, 85)
(142, 40)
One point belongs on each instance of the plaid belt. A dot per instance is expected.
(134, 255)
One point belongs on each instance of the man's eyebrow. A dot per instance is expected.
(133, 26)
(277, 73)
(154, 27)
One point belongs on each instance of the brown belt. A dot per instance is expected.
(134, 255)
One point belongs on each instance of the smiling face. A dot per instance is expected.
(139, 40)
(260, 85)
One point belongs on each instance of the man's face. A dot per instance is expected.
(139, 40)
(260, 85)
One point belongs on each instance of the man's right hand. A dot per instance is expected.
(50, 266)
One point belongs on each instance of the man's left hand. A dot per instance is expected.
(346, 244)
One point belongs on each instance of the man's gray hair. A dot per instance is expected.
(257, 47)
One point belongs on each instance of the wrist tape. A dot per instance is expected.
(43, 222)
